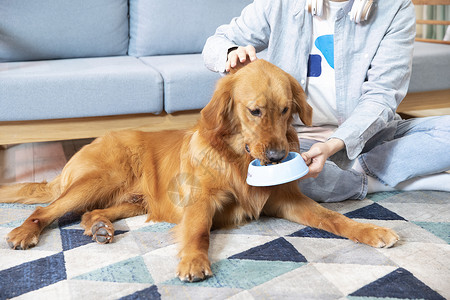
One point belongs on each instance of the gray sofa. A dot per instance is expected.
(64, 59)
(75, 60)
(431, 68)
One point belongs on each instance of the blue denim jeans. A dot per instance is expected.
(416, 147)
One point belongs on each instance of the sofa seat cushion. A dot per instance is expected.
(431, 67)
(50, 29)
(188, 84)
(162, 27)
(73, 88)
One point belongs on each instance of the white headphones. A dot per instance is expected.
(360, 9)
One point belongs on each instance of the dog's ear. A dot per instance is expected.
(216, 116)
(301, 107)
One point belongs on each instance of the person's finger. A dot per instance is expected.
(242, 54)
(251, 52)
(306, 158)
(315, 169)
(228, 66)
(233, 59)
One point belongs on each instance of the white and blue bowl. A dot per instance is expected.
(291, 168)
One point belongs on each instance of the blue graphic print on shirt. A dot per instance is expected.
(325, 45)
(314, 65)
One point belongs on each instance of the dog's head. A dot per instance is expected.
(251, 111)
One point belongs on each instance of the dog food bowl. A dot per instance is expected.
(291, 168)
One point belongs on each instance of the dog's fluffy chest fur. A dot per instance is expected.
(235, 201)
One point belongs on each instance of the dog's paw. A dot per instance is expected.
(193, 269)
(21, 238)
(378, 237)
(102, 233)
(97, 226)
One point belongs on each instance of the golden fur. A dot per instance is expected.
(194, 178)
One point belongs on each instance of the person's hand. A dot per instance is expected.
(239, 57)
(318, 154)
(315, 159)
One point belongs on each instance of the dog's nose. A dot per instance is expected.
(275, 155)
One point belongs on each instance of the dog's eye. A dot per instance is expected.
(285, 110)
(255, 112)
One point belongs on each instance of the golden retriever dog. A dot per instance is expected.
(195, 178)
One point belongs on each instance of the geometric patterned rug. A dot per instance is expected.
(265, 259)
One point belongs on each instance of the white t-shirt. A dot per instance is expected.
(320, 87)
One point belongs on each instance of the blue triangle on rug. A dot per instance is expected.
(400, 284)
(376, 197)
(32, 275)
(73, 238)
(439, 229)
(276, 250)
(374, 212)
(315, 233)
(148, 293)
(241, 273)
(69, 219)
(132, 270)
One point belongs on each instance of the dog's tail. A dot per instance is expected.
(30, 193)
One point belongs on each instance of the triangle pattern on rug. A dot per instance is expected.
(310, 232)
(32, 275)
(374, 212)
(148, 293)
(149, 241)
(439, 229)
(229, 273)
(73, 238)
(193, 291)
(376, 197)
(276, 250)
(132, 270)
(69, 219)
(399, 284)
(158, 227)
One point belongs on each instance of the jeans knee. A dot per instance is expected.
(443, 123)
(431, 125)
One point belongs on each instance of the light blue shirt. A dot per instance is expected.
(372, 60)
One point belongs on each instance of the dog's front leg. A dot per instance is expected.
(288, 203)
(193, 234)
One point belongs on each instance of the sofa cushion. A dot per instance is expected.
(48, 29)
(187, 82)
(431, 67)
(81, 87)
(177, 27)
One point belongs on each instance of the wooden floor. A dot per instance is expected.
(36, 161)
